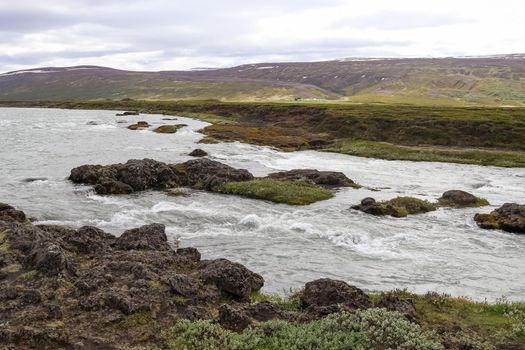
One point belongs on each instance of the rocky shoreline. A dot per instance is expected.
(87, 289)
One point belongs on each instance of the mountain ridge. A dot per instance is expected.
(486, 80)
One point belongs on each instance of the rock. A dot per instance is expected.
(145, 174)
(232, 278)
(190, 253)
(169, 119)
(139, 126)
(509, 217)
(49, 259)
(148, 237)
(368, 201)
(92, 122)
(460, 199)
(327, 292)
(395, 303)
(232, 318)
(264, 311)
(396, 207)
(127, 113)
(122, 121)
(8, 213)
(184, 285)
(206, 173)
(34, 179)
(89, 239)
(328, 179)
(198, 153)
(150, 174)
(168, 129)
(113, 187)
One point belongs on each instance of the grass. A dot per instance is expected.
(297, 192)
(382, 150)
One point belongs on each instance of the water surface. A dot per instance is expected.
(441, 251)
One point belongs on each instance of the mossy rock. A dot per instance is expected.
(461, 199)
(297, 192)
(397, 207)
(168, 129)
(139, 126)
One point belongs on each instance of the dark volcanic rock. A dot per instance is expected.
(206, 173)
(394, 303)
(232, 318)
(329, 179)
(89, 239)
(198, 153)
(49, 259)
(232, 278)
(148, 237)
(191, 253)
(323, 293)
(127, 113)
(8, 213)
(138, 175)
(509, 217)
(460, 199)
(105, 292)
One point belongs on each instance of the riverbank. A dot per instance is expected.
(482, 136)
(71, 288)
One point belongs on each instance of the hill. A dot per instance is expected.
(493, 80)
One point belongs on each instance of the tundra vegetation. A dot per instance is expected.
(472, 135)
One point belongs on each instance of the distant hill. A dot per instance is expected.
(490, 80)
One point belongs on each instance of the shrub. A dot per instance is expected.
(365, 329)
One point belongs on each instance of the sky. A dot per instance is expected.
(178, 34)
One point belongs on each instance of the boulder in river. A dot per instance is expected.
(461, 199)
(139, 126)
(198, 153)
(138, 175)
(396, 207)
(509, 217)
(127, 113)
(330, 179)
(168, 129)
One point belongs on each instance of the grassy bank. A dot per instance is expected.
(440, 322)
(485, 136)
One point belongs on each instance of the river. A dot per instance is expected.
(440, 251)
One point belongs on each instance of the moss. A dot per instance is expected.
(29, 275)
(4, 244)
(397, 207)
(137, 319)
(297, 192)
(292, 302)
(480, 202)
(12, 268)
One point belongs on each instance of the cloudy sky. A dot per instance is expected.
(183, 34)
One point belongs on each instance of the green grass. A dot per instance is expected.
(382, 150)
(296, 192)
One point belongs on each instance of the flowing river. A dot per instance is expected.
(440, 251)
